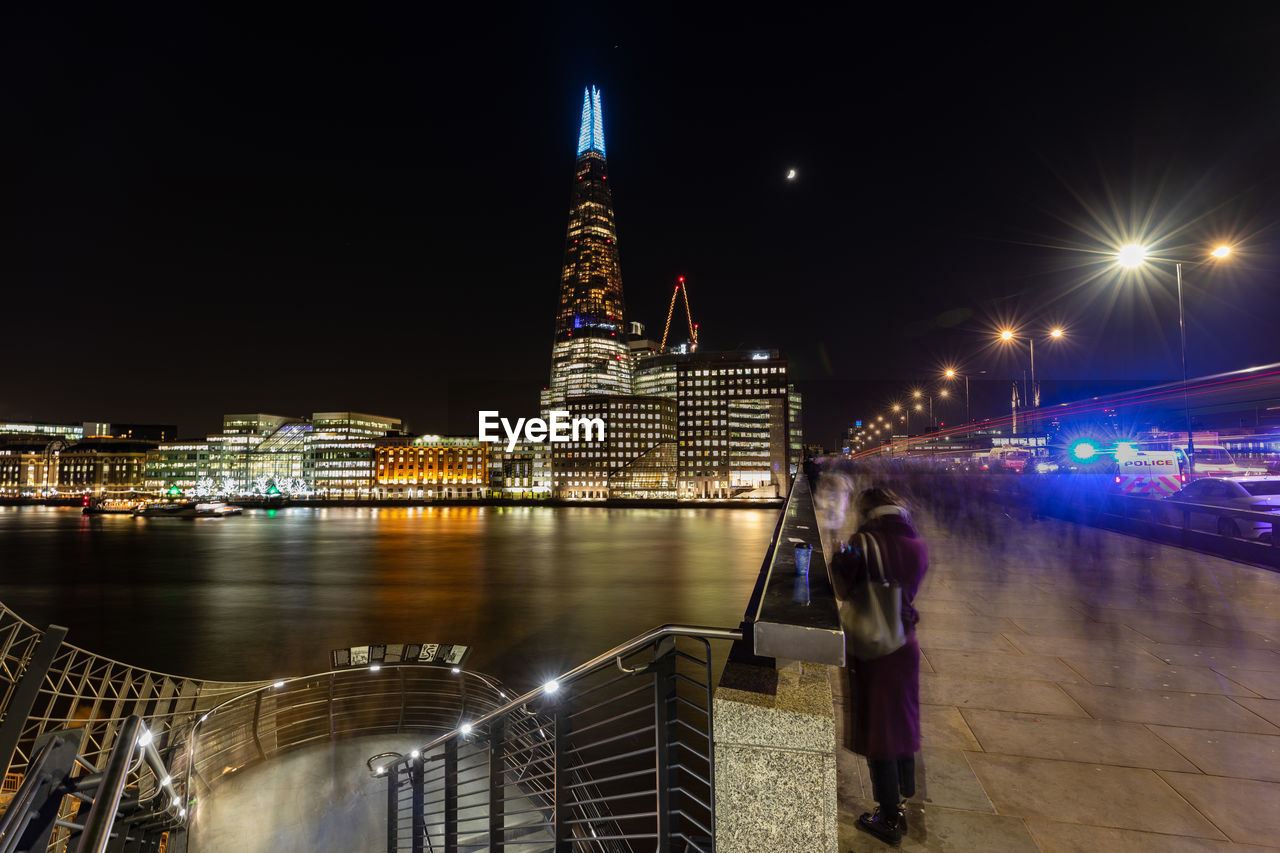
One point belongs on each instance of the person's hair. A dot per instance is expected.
(877, 496)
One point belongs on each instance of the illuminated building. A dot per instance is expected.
(795, 430)
(28, 466)
(232, 451)
(180, 465)
(636, 459)
(589, 353)
(430, 467)
(104, 467)
(655, 375)
(70, 432)
(522, 472)
(137, 432)
(733, 425)
(341, 445)
(283, 462)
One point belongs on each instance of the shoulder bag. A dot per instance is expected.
(872, 615)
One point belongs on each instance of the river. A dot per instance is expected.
(533, 590)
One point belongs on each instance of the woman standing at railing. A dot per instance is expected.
(883, 720)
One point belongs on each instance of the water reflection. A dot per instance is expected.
(534, 590)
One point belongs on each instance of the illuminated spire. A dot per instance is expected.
(591, 134)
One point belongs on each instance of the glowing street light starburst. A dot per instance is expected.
(1131, 255)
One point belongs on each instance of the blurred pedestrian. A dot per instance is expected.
(883, 720)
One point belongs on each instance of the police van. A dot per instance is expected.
(1149, 472)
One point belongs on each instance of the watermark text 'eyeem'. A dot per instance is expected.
(559, 426)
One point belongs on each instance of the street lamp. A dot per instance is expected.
(1132, 256)
(951, 373)
(1007, 335)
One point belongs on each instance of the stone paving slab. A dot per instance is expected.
(1056, 837)
(1234, 754)
(1155, 676)
(1096, 741)
(1245, 809)
(1099, 694)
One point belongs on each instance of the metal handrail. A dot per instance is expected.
(271, 688)
(617, 652)
(573, 766)
(102, 814)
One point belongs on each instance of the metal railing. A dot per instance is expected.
(614, 755)
(267, 720)
(50, 689)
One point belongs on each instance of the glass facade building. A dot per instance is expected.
(180, 465)
(636, 459)
(283, 462)
(342, 445)
(589, 352)
(70, 432)
(733, 425)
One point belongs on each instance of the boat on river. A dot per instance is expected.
(111, 507)
(188, 509)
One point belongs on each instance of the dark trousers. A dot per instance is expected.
(891, 778)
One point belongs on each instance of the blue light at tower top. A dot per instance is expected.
(591, 134)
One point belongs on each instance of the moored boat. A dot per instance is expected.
(110, 507)
(189, 509)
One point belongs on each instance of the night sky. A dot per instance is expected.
(213, 211)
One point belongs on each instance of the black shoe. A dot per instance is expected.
(887, 830)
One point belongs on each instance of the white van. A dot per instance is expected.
(1149, 472)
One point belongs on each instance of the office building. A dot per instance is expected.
(178, 468)
(795, 430)
(636, 459)
(524, 471)
(137, 432)
(733, 414)
(69, 432)
(589, 354)
(342, 445)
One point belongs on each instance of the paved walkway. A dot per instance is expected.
(1085, 691)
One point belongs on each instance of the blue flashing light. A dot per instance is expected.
(1083, 450)
(591, 133)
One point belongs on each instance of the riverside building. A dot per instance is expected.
(430, 467)
(104, 467)
(589, 352)
(342, 445)
(522, 472)
(733, 434)
(29, 466)
(637, 458)
(70, 432)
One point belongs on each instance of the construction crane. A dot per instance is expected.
(681, 288)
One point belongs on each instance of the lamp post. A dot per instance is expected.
(951, 373)
(1132, 256)
(920, 395)
(1032, 395)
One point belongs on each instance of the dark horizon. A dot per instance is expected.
(210, 214)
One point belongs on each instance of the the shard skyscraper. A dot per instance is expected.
(589, 353)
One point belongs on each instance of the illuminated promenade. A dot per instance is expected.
(1087, 691)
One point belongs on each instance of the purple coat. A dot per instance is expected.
(883, 718)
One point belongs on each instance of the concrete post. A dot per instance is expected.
(774, 741)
